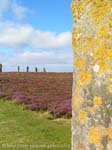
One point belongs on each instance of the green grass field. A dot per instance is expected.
(22, 129)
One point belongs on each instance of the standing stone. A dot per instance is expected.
(36, 69)
(44, 69)
(92, 79)
(18, 68)
(0, 67)
(27, 69)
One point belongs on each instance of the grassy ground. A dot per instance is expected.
(22, 129)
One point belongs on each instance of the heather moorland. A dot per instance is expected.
(50, 92)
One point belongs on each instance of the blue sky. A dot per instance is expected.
(36, 33)
(51, 15)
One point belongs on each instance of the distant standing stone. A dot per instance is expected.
(0, 67)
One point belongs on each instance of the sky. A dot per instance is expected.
(36, 33)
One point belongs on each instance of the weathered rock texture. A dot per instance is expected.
(92, 85)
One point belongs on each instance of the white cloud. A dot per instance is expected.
(43, 57)
(27, 37)
(4, 6)
(53, 61)
(51, 40)
(18, 11)
(24, 38)
(12, 7)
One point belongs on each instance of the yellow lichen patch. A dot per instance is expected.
(82, 7)
(106, 45)
(91, 110)
(82, 116)
(102, 67)
(97, 101)
(74, 9)
(79, 63)
(109, 78)
(104, 109)
(89, 39)
(103, 32)
(77, 11)
(109, 144)
(86, 2)
(109, 88)
(91, 43)
(78, 100)
(109, 53)
(100, 57)
(110, 22)
(76, 37)
(102, 53)
(77, 44)
(99, 10)
(84, 77)
(78, 41)
(95, 135)
(109, 132)
(83, 48)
